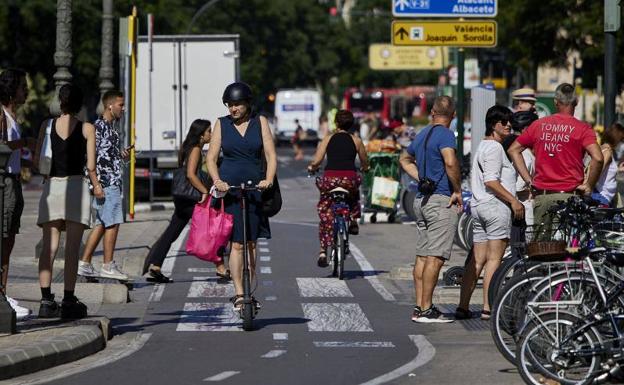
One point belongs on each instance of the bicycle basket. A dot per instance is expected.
(546, 241)
(610, 235)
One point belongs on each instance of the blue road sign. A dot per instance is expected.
(444, 8)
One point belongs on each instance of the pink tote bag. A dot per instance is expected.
(211, 229)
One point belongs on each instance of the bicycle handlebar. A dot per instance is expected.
(249, 186)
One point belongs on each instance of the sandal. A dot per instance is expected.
(237, 302)
(486, 315)
(322, 260)
(227, 276)
(461, 313)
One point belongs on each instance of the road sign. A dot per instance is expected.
(389, 57)
(474, 33)
(444, 8)
(612, 15)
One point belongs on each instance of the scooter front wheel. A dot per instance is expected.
(247, 313)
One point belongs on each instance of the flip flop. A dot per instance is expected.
(322, 260)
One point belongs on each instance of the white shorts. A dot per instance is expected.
(492, 221)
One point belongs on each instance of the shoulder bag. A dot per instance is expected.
(44, 165)
(183, 189)
(271, 197)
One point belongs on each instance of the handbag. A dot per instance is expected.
(211, 229)
(45, 152)
(183, 189)
(271, 197)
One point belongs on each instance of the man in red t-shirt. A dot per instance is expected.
(559, 143)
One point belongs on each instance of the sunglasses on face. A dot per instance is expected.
(504, 122)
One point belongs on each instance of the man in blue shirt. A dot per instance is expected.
(431, 160)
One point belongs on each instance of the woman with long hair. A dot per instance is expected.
(65, 203)
(189, 158)
(243, 136)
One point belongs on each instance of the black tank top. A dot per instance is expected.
(341, 152)
(69, 156)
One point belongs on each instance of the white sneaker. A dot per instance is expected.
(20, 311)
(86, 269)
(111, 270)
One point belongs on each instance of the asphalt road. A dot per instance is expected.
(311, 329)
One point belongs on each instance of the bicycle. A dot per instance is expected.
(342, 219)
(249, 306)
(340, 247)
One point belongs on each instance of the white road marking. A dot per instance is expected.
(221, 376)
(202, 269)
(264, 250)
(369, 273)
(168, 265)
(157, 293)
(209, 317)
(426, 352)
(345, 344)
(265, 270)
(263, 243)
(203, 289)
(265, 258)
(274, 353)
(267, 283)
(336, 317)
(280, 336)
(323, 287)
(270, 298)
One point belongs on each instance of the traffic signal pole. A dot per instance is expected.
(611, 26)
(460, 105)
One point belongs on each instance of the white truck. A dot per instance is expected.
(189, 74)
(300, 104)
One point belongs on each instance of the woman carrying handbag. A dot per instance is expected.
(190, 187)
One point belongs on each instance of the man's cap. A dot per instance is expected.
(524, 94)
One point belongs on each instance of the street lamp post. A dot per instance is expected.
(106, 65)
(7, 314)
(63, 54)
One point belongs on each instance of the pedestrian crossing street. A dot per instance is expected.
(207, 307)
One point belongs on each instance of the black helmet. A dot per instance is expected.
(237, 92)
(522, 119)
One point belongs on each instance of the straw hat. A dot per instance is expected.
(527, 94)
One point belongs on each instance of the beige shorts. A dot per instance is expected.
(436, 225)
(67, 199)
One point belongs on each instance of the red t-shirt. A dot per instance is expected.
(558, 142)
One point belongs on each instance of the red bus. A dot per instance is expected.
(387, 103)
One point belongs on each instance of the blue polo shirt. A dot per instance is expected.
(440, 138)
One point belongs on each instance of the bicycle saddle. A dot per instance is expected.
(339, 190)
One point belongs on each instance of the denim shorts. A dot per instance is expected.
(108, 211)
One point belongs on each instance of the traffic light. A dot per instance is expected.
(333, 11)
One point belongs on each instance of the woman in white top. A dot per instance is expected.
(605, 189)
(493, 191)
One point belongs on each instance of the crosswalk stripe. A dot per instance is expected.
(265, 270)
(203, 289)
(265, 258)
(336, 317)
(323, 287)
(264, 249)
(361, 344)
(212, 317)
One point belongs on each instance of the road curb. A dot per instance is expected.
(158, 206)
(34, 350)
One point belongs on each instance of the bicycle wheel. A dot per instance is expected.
(340, 255)
(500, 276)
(247, 314)
(334, 258)
(504, 321)
(555, 346)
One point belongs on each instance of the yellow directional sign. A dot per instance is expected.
(450, 33)
(389, 57)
